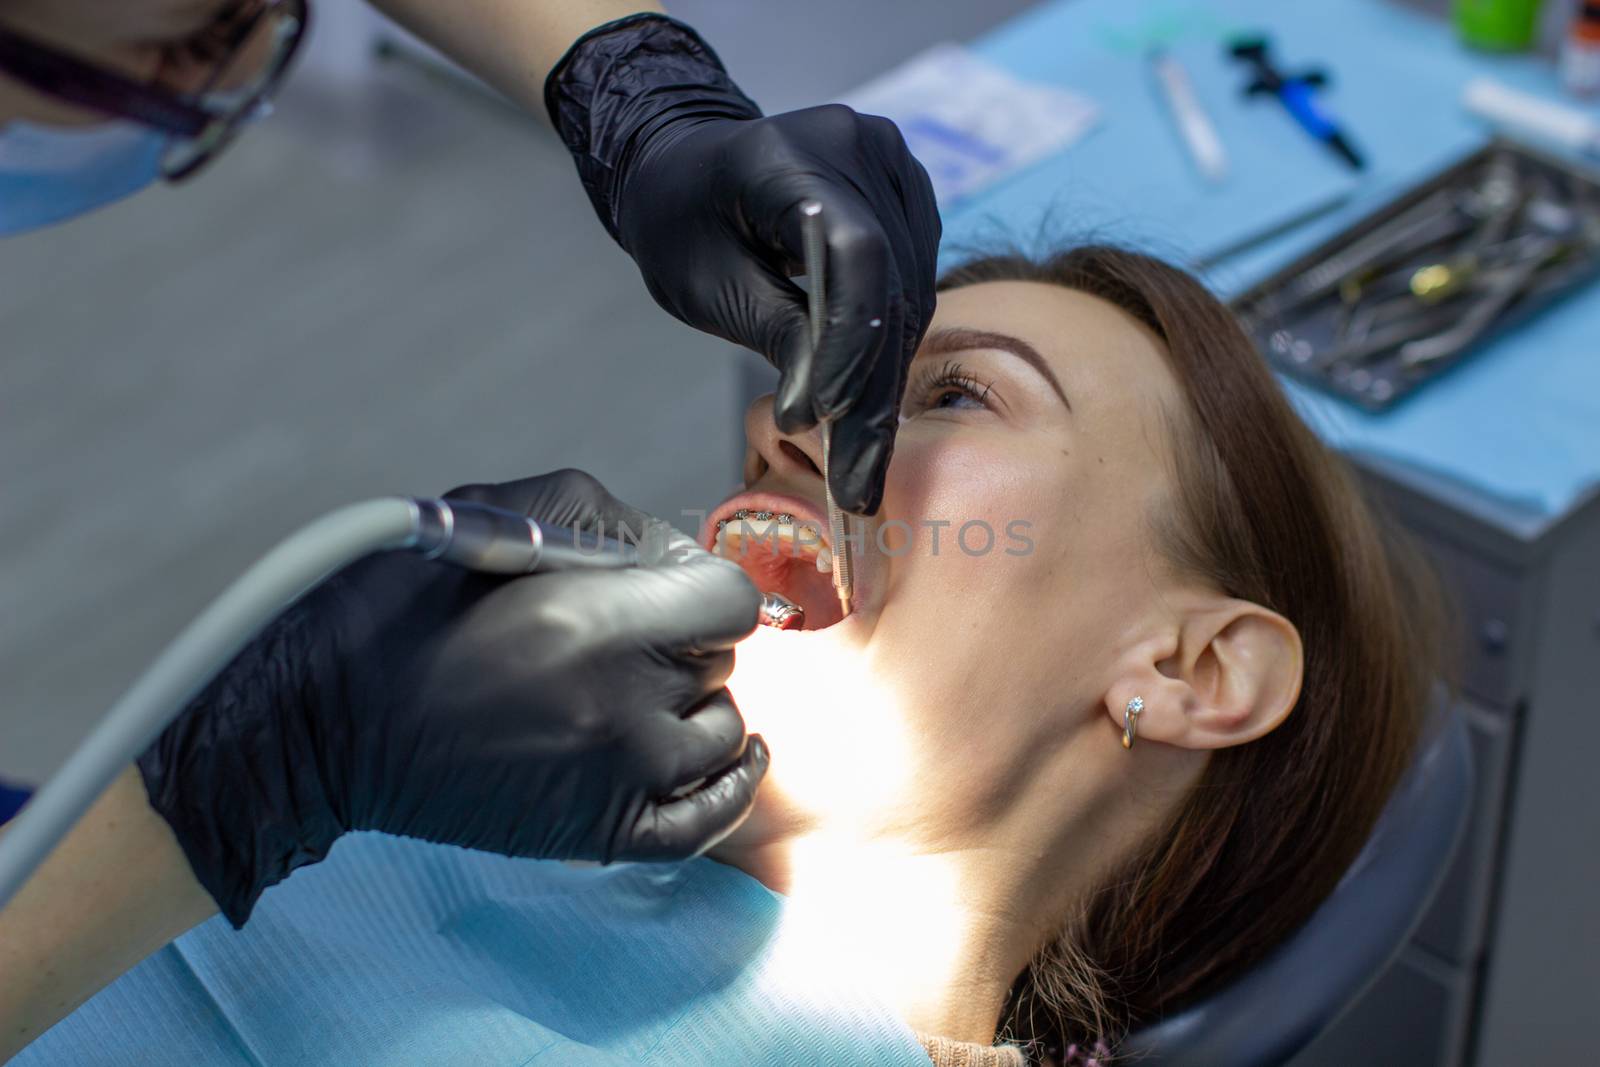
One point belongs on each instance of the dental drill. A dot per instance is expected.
(811, 241)
(474, 536)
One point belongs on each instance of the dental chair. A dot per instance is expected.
(1273, 1012)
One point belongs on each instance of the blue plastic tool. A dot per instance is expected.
(1297, 93)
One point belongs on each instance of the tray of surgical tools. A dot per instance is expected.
(1409, 291)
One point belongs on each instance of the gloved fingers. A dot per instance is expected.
(860, 290)
(858, 462)
(689, 677)
(701, 605)
(793, 406)
(906, 209)
(757, 305)
(910, 215)
(569, 497)
(862, 440)
(692, 743)
(688, 826)
(664, 545)
(916, 229)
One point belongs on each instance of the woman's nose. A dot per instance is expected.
(796, 457)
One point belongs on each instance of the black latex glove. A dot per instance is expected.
(703, 192)
(548, 716)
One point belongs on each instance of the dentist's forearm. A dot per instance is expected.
(511, 44)
(115, 890)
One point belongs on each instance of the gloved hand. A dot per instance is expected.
(703, 192)
(548, 716)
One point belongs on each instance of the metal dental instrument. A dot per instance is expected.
(1482, 214)
(781, 613)
(811, 240)
(1379, 342)
(1375, 313)
(1271, 231)
(1508, 287)
(1427, 220)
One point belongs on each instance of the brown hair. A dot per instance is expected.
(1262, 511)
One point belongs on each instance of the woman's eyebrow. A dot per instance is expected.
(948, 340)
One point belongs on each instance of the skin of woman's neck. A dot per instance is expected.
(945, 928)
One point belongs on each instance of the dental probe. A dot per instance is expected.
(811, 241)
(473, 536)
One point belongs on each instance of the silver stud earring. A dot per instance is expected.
(1130, 721)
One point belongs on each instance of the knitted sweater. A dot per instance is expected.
(947, 1053)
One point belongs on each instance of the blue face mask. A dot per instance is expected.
(52, 173)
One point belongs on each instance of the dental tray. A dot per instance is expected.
(1403, 295)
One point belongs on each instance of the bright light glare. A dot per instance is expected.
(841, 743)
(843, 753)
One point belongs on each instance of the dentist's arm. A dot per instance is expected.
(116, 889)
(511, 44)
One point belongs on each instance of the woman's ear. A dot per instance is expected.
(1233, 676)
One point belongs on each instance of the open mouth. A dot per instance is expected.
(782, 544)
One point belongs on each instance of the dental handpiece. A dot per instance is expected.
(812, 244)
(469, 535)
(492, 541)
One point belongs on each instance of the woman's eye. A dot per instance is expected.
(956, 398)
(950, 388)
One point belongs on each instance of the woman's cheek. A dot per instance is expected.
(977, 484)
(960, 521)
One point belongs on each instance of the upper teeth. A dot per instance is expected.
(776, 529)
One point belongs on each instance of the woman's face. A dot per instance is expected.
(995, 589)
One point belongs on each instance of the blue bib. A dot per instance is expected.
(398, 952)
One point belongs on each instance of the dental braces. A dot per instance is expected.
(806, 539)
(745, 516)
(783, 517)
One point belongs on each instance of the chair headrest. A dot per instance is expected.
(1276, 1009)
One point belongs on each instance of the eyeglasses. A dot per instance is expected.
(235, 67)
